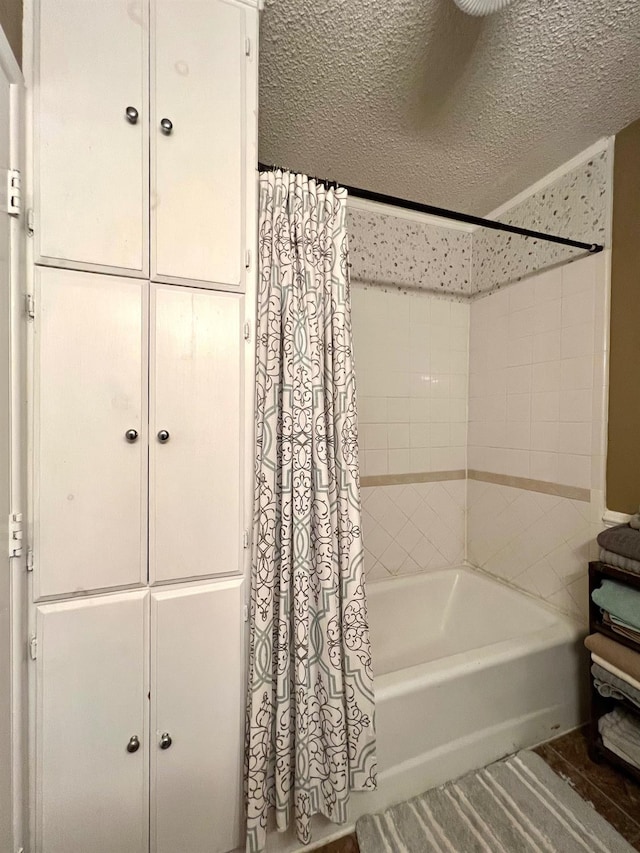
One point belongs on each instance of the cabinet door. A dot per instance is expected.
(195, 474)
(92, 794)
(198, 683)
(92, 173)
(90, 389)
(198, 84)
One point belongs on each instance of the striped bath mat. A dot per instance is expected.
(517, 805)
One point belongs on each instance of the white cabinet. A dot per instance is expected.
(120, 750)
(92, 177)
(198, 684)
(197, 170)
(92, 793)
(97, 115)
(195, 472)
(90, 383)
(92, 337)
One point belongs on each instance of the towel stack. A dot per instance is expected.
(620, 546)
(620, 607)
(615, 666)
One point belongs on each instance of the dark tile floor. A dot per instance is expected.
(613, 795)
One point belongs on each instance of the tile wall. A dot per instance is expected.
(537, 412)
(414, 527)
(411, 355)
(537, 379)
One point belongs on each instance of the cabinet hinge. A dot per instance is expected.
(246, 613)
(14, 192)
(247, 46)
(15, 534)
(247, 259)
(29, 306)
(33, 647)
(29, 559)
(247, 331)
(245, 539)
(30, 222)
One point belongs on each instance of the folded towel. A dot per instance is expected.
(615, 654)
(621, 539)
(619, 562)
(620, 601)
(609, 685)
(620, 732)
(620, 627)
(619, 673)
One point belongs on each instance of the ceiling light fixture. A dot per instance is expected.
(481, 7)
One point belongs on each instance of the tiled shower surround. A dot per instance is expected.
(482, 416)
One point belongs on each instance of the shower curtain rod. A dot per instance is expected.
(454, 215)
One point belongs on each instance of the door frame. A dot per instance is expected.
(17, 465)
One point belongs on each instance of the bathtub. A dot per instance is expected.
(467, 670)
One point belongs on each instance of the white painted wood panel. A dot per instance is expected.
(90, 388)
(195, 394)
(6, 687)
(198, 676)
(198, 83)
(92, 164)
(91, 698)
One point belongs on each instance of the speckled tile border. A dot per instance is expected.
(407, 479)
(574, 493)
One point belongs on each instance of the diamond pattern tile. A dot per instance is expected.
(538, 543)
(413, 528)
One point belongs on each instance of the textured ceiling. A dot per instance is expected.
(416, 99)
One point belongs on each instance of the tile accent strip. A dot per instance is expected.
(407, 479)
(575, 493)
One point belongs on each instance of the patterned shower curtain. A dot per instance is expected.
(310, 714)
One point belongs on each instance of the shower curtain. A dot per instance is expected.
(310, 709)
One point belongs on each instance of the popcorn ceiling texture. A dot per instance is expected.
(390, 251)
(418, 100)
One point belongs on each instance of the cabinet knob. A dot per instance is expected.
(131, 435)
(165, 740)
(134, 744)
(163, 436)
(166, 126)
(132, 115)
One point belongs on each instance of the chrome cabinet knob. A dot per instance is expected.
(134, 744)
(132, 115)
(163, 436)
(131, 435)
(166, 126)
(165, 740)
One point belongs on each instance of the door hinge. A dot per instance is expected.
(15, 534)
(247, 331)
(246, 613)
(14, 192)
(245, 539)
(30, 222)
(247, 46)
(29, 306)
(33, 647)
(247, 259)
(29, 559)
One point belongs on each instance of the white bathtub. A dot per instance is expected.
(466, 671)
